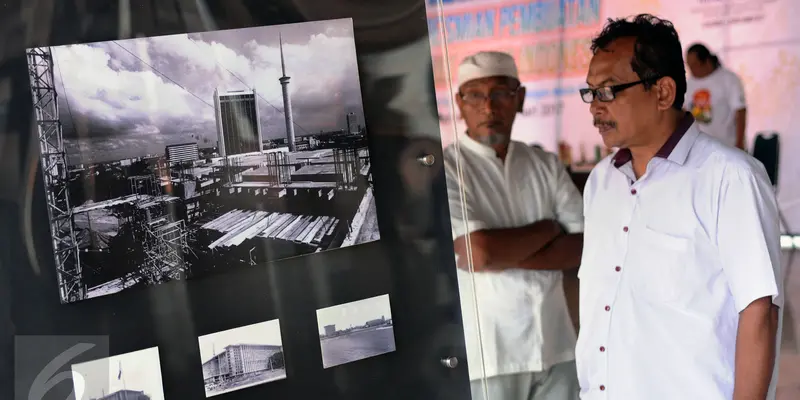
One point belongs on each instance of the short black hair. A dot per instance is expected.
(657, 52)
(704, 54)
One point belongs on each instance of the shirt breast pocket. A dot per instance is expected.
(659, 265)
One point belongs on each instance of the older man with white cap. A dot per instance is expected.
(517, 219)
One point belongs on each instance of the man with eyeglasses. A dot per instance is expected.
(680, 282)
(517, 221)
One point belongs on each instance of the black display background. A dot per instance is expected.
(413, 262)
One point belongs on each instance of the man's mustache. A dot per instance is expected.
(599, 122)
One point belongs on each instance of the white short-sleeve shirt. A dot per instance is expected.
(714, 101)
(669, 261)
(523, 317)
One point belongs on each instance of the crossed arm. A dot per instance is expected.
(563, 253)
(541, 245)
(506, 246)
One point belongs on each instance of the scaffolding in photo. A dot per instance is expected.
(347, 166)
(163, 240)
(54, 170)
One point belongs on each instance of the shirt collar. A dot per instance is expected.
(675, 149)
(478, 147)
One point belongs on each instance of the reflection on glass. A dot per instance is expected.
(179, 156)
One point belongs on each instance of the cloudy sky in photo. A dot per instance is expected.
(127, 98)
(354, 314)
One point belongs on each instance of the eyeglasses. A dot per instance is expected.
(496, 96)
(609, 93)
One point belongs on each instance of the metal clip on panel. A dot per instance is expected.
(450, 362)
(427, 160)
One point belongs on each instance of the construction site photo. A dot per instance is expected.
(184, 156)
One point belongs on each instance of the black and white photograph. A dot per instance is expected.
(129, 376)
(182, 156)
(354, 331)
(242, 357)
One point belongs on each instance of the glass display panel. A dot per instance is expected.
(177, 171)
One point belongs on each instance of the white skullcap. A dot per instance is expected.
(486, 64)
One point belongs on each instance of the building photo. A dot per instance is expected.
(183, 156)
(130, 376)
(242, 357)
(354, 331)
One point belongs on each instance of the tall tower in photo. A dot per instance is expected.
(287, 101)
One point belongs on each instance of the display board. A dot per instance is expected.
(124, 215)
(550, 39)
(218, 201)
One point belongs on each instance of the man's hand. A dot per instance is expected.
(563, 253)
(478, 245)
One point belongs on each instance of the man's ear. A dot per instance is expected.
(666, 91)
(521, 98)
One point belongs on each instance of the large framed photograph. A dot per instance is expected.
(175, 157)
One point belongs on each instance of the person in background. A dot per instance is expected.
(680, 283)
(517, 221)
(715, 97)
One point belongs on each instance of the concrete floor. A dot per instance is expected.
(789, 373)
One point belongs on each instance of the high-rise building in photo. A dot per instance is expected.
(352, 123)
(240, 359)
(238, 126)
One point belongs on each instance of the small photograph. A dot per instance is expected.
(130, 376)
(354, 331)
(242, 357)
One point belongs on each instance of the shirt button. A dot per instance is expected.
(625, 229)
(602, 387)
(617, 268)
(608, 308)
(633, 192)
(602, 349)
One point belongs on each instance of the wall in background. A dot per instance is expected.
(550, 40)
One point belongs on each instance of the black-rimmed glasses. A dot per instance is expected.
(608, 93)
